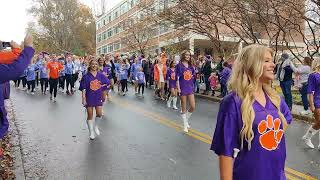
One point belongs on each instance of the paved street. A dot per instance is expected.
(141, 139)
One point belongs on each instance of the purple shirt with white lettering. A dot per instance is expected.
(94, 87)
(171, 77)
(266, 158)
(185, 75)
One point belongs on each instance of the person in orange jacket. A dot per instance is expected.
(7, 57)
(160, 72)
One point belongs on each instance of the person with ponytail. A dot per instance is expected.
(314, 101)
(172, 83)
(249, 136)
(185, 74)
(92, 85)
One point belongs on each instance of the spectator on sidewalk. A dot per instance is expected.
(219, 69)
(213, 82)
(284, 74)
(198, 77)
(146, 70)
(206, 72)
(201, 63)
(302, 75)
(224, 78)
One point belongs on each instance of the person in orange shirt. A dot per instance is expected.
(54, 67)
(163, 57)
(7, 57)
(160, 72)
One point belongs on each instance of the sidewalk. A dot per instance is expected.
(295, 109)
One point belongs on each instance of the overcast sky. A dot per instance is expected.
(14, 18)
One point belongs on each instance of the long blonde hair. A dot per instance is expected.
(316, 65)
(244, 80)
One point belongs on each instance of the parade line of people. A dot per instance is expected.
(98, 76)
(252, 118)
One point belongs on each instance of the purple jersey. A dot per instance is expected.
(266, 159)
(185, 75)
(94, 87)
(106, 71)
(225, 75)
(171, 77)
(314, 87)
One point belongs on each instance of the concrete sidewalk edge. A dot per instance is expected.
(295, 115)
(16, 142)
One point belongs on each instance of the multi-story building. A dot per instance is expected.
(110, 32)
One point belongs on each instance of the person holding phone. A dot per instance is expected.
(12, 71)
(7, 56)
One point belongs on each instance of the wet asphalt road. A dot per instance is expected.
(141, 139)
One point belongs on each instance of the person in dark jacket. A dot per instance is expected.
(284, 74)
(206, 72)
(146, 69)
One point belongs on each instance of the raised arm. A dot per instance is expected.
(14, 70)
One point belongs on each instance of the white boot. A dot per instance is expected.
(174, 102)
(96, 125)
(169, 101)
(307, 137)
(185, 122)
(188, 117)
(90, 124)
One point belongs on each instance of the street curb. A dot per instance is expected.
(16, 142)
(295, 116)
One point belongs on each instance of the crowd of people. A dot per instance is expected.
(102, 74)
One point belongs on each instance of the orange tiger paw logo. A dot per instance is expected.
(95, 85)
(270, 133)
(187, 75)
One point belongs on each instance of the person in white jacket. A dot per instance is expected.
(302, 74)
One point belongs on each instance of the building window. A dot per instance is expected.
(104, 22)
(116, 46)
(116, 30)
(164, 28)
(123, 8)
(104, 35)
(99, 38)
(109, 18)
(110, 33)
(163, 4)
(131, 3)
(116, 13)
(99, 51)
(104, 49)
(110, 48)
